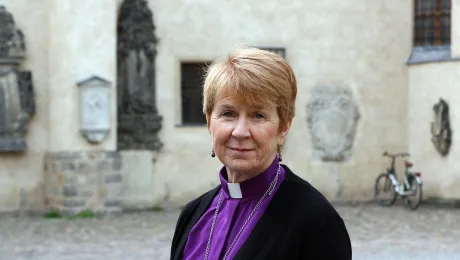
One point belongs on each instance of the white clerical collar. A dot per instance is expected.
(234, 190)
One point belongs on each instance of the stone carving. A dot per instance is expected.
(11, 39)
(138, 118)
(94, 108)
(332, 117)
(17, 102)
(440, 128)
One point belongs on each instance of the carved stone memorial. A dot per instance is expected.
(138, 118)
(332, 117)
(94, 108)
(17, 102)
(440, 127)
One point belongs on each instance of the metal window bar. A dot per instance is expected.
(432, 22)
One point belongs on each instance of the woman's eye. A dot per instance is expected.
(259, 115)
(227, 114)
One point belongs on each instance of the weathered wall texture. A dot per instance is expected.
(65, 44)
(82, 43)
(361, 45)
(355, 47)
(22, 173)
(428, 83)
(78, 181)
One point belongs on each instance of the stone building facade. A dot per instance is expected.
(369, 75)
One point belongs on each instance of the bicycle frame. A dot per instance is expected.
(410, 185)
(404, 188)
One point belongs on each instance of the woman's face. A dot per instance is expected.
(245, 137)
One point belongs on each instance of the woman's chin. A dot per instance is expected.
(241, 165)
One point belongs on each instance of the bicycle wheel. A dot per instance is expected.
(384, 185)
(413, 200)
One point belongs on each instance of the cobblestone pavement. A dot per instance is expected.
(377, 233)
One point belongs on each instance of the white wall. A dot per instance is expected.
(361, 44)
(357, 43)
(428, 83)
(25, 171)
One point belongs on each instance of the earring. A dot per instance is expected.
(280, 158)
(213, 154)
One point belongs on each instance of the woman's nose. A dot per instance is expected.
(241, 129)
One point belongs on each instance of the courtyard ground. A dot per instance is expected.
(377, 233)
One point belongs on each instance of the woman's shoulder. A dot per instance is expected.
(304, 198)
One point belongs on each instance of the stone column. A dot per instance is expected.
(79, 174)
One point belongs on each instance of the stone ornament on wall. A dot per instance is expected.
(440, 127)
(17, 102)
(94, 108)
(332, 117)
(138, 118)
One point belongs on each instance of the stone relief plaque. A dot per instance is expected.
(17, 102)
(332, 117)
(440, 128)
(94, 108)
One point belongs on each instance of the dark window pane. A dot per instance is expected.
(429, 37)
(192, 77)
(445, 21)
(429, 5)
(432, 22)
(445, 30)
(419, 5)
(445, 5)
(425, 5)
(429, 23)
(419, 24)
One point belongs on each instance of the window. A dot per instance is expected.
(277, 50)
(432, 22)
(192, 78)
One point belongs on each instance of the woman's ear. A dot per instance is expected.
(282, 135)
(208, 121)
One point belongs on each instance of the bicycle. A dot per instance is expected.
(412, 184)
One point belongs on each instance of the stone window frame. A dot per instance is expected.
(193, 91)
(434, 48)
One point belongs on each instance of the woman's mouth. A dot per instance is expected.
(241, 150)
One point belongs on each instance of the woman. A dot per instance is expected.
(261, 209)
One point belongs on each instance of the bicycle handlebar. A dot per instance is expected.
(396, 154)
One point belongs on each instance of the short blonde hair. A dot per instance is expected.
(257, 77)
